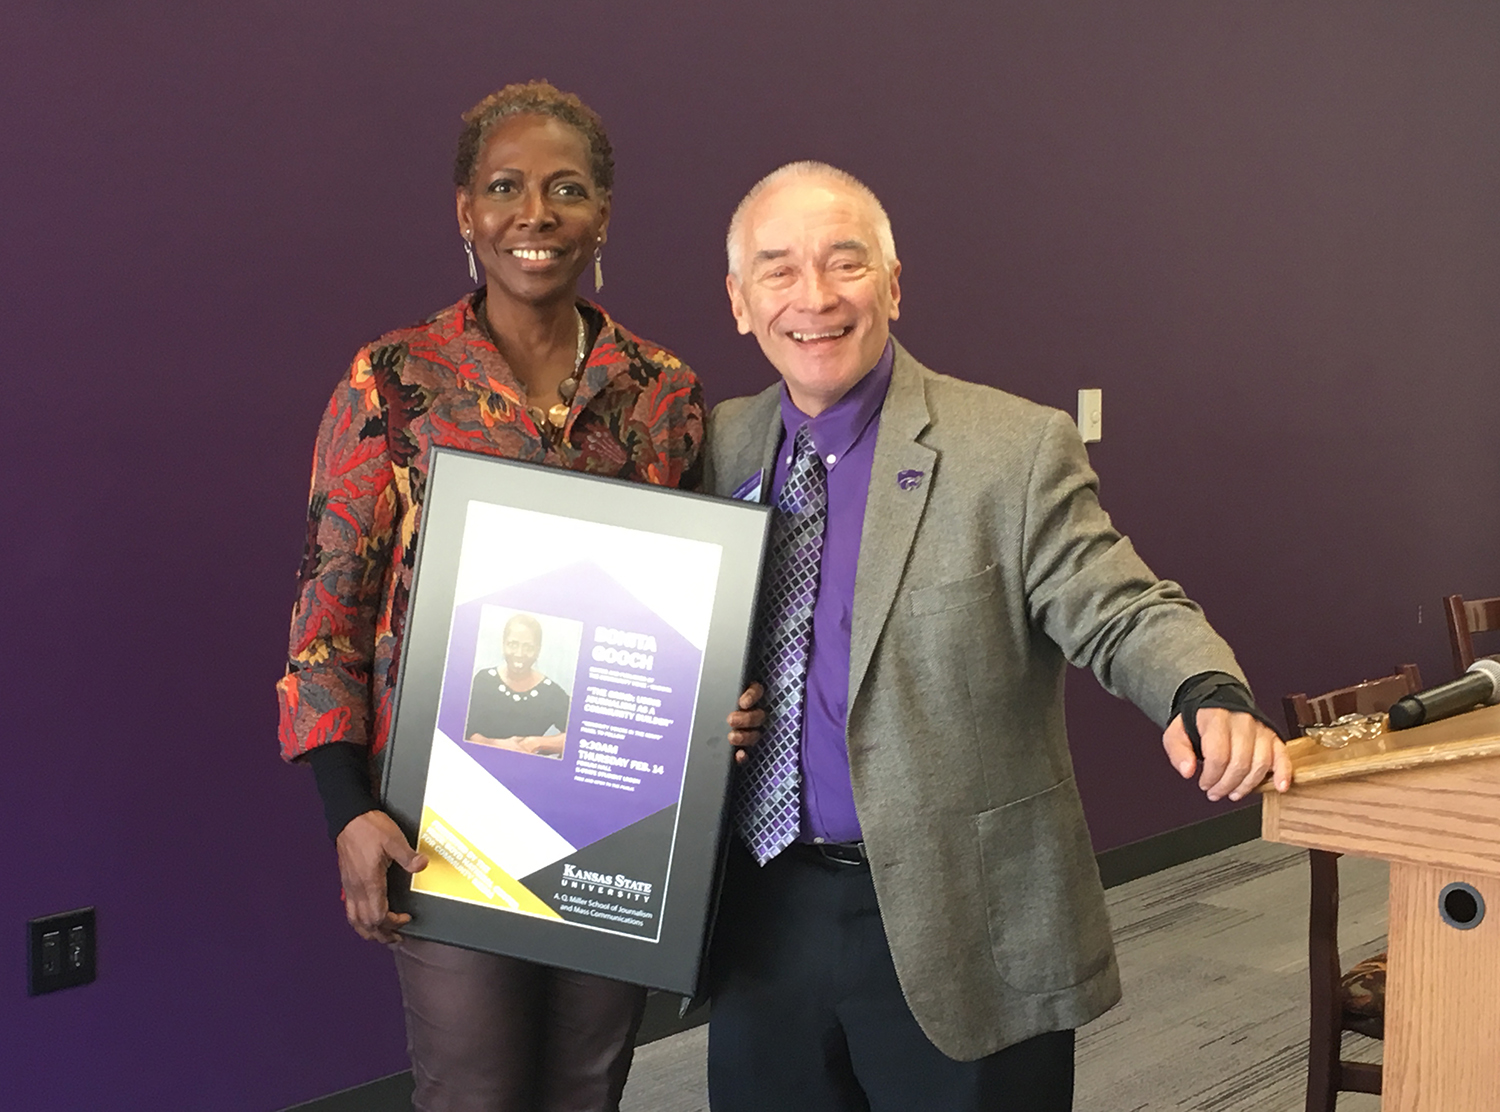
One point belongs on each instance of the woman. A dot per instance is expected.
(521, 368)
(518, 707)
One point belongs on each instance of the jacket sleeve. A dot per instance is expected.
(1095, 597)
(325, 695)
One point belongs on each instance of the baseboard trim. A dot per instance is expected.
(662, 1019)
(1177, 847)
(389, 1094)
(1116, 866)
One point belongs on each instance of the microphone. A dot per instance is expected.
(1477, 686)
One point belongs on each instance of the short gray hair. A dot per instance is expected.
(808, 169)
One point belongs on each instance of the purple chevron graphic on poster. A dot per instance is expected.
(630, 717)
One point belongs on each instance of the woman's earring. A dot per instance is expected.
(598, 269)
(473, 270)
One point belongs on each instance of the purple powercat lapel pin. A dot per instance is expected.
(906, 480)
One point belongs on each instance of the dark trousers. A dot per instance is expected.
(496, 1034)
(808, 1014)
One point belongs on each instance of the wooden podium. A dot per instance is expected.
(1428, 801)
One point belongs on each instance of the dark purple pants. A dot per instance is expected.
(497, 1034)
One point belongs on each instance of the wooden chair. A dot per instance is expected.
(1465, 619)
(1369, 697)
(1338, 1001)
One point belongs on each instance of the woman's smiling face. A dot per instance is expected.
(533, 210)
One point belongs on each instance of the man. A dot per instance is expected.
(912, 917)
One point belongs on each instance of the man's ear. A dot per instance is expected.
(896, 290)
(737, 305)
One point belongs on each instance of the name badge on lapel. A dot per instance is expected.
(749, 490)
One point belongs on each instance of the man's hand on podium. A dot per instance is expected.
(1238, 753)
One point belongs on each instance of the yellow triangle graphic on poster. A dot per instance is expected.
(457, 870)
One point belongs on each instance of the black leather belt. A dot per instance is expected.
(841, 853)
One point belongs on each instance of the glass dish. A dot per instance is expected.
(1351, 727)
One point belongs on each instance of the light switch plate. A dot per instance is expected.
(1090, 415)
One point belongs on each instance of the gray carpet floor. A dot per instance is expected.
(1214, 959)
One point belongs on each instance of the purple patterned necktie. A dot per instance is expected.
(767, 803)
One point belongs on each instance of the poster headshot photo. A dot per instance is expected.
(521, 692)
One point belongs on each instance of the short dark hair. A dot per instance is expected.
(534, 98)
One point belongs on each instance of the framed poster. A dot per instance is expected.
(572, 647)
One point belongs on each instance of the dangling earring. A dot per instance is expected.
(598, 269)
(469, 251)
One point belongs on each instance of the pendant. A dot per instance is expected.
(558, 415)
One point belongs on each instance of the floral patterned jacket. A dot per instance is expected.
(638, 415)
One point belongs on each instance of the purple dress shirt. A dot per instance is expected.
(845, 437)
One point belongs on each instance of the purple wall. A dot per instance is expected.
(1268, 231)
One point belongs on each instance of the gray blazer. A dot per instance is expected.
(986, 565)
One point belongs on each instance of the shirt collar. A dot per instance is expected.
(835, 430)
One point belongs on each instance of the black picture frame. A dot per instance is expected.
(634, 902)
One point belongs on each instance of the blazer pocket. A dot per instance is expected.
(955, 594)
(1049, 929)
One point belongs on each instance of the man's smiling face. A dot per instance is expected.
(815, 287)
